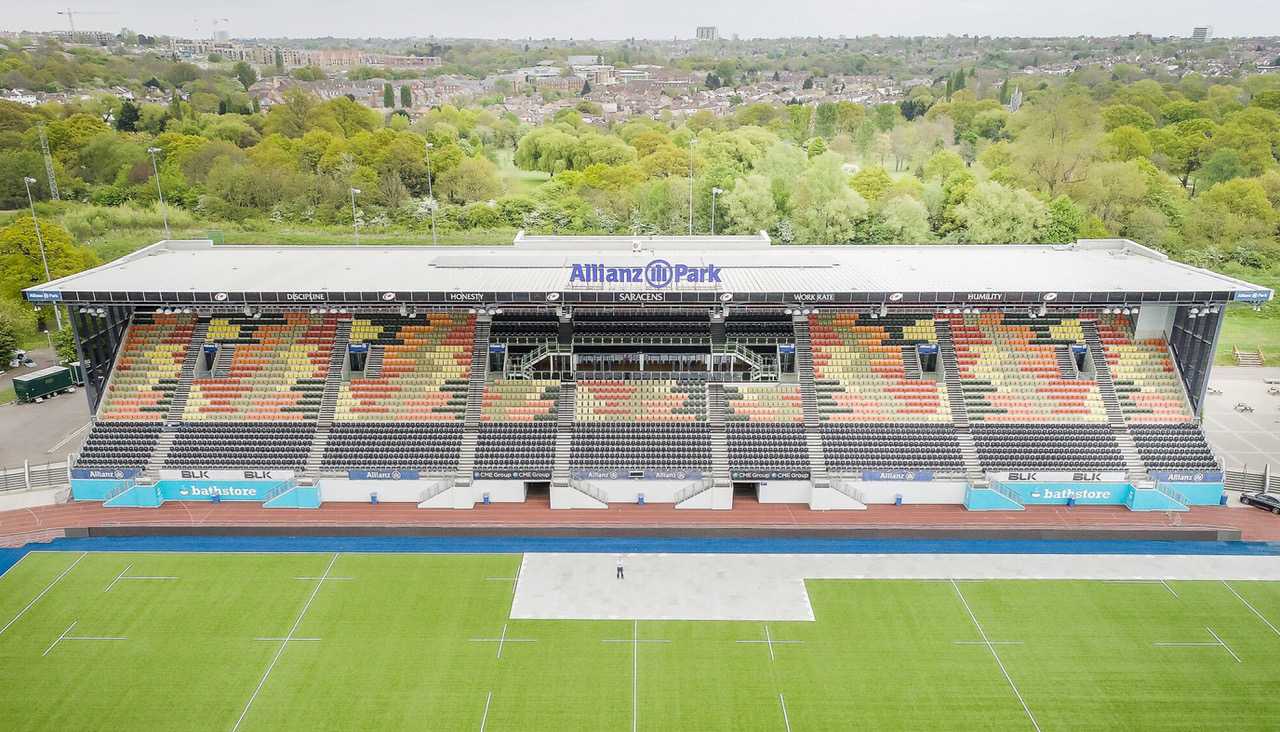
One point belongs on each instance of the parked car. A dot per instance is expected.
(1265, 501)
(20, 358)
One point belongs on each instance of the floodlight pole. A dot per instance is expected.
(355, 225)
(692, 141)
(431, 196)
(714, 192)
(44, 259)
(164, 207)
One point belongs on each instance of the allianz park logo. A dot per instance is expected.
(658, 274)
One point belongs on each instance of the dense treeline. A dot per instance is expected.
(1189, 166)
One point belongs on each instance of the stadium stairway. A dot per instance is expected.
(188, 373)
(329, 400)
(955, 396)
(475, 402)
(564, 434)
(1136, 469)
(819, 478)
(720, 480)
(179, 403)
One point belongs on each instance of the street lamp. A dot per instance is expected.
(714, 192)
(355, 225)
(27, 181)
(164, 208)
(431, 195)
(692, 141)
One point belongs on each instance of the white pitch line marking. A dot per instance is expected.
(1218, 643)
(1142, 582)
(985, 643)
(291, 640)
(502, 640)
(485, 717)
(769, 641)
(994, 654)
(117, 579)
(325, 579)
(635, 642)
(1252, 609)
(123, 576)
(58, 640)
(1223, 644)
(285, 643)
(785, 719)
(43, 592)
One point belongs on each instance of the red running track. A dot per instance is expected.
(41, 524)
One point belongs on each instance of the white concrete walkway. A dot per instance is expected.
(771, 586)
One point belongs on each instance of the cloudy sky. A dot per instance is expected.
(653, 18)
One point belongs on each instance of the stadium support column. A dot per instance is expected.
(462, 494)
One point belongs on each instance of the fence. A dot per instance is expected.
(27, 476)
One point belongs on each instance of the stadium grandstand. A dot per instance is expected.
(666, 370)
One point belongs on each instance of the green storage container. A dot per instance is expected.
(42, 383)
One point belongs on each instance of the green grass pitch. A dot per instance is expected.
(404, 642)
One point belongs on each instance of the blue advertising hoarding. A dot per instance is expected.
(391, 474)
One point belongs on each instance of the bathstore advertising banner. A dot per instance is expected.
(225, 485)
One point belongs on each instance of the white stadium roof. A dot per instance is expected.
(748, 267)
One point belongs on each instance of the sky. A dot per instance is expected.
(661, 19)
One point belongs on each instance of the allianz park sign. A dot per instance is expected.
(658, 274)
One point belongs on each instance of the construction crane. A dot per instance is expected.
(48, 164)
(71, 16)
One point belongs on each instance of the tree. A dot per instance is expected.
(1066, 221)
(474, 179)
(245, 74)
(64, 341)
(8, 337)
(1223, 165)
(406, 97)
(291, 117)
(586, 88)
(872, 182)
(1055, 140)
(1184, 146)
(279, 61)
(128, 119)
(994, 214)
(750, 207)
(388, 96)
(902, 220)
(824, 209)
(20, 263)
(1126, 143)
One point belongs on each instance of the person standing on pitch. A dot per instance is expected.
(620, 568)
